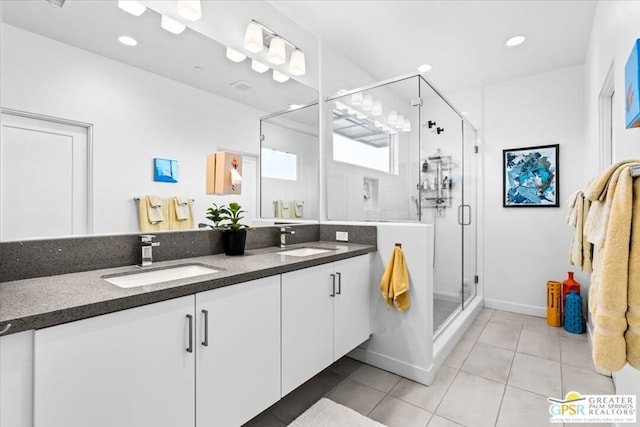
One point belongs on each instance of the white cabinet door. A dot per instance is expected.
(16, 380)
(238, 370)
(127, 369)
(307, 324)
(351, 321)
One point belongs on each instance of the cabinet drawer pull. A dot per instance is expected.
(190, 348)
(206, 328)
(333, 285)
(339, 283)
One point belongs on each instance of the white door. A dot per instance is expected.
(307, 324)
(238, 352)
(43, 178)
(352, 319)
(124, 369)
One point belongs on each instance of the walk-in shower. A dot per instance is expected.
(399, 152)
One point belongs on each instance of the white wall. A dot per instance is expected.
(526, 247)
(615, 29)
(136, 116)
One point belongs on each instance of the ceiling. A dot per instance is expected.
(463, 40)
(191, 58)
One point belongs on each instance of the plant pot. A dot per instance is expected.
(233, 242)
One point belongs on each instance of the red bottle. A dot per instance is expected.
(567, 286)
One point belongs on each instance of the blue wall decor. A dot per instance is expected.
(530, 177)
(165, 170)
(631, 94)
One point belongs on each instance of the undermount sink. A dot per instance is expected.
(304, 252)
(158, 275)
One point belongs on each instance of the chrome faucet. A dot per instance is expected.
(283, 235)
(146, 245)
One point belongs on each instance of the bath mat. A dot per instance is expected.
(327, 413)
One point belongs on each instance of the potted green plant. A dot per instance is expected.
(227, 219)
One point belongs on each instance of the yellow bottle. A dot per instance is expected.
(554, 295)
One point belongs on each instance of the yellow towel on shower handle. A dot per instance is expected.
(394, 285)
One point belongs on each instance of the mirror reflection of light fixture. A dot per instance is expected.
(172, 25)
(277, 53)
(280, 77)
(392, 119)
(128, 41)
(132, 7)
(297, 65)
(406, 127)
(367, 102)
(399, 121)
(257, 36)
(190, 9)
(258, 66)
(253, 38)
(357, 98)
(376, 109)
(235, 56)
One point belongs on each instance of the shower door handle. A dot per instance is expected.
(462, 209)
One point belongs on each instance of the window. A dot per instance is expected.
(279, 164)
(357, 153)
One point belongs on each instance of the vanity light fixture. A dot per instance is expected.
(258, 35)
(127, 41)
(253, 37)
(190, 9)
(515, 40)
(172, 25)
(277, 52)
(131, 6)
(297, 65)
(258, 66)
(280, 77)
(235, 56)
(425, 68)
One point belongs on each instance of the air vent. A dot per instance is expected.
(58, 3)
(241, 85)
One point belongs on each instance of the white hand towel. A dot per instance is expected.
(182, 208)
(236, 179)
(297, 208)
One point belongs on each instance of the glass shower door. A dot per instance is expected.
(468, 214)
(441, 194)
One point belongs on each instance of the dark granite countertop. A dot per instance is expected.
(47, 301)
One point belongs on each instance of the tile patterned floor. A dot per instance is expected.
(500, 374)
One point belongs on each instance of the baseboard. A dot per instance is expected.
(398, 367)
(530, 310)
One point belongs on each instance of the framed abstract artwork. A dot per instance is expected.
(530, 177)
(165, 170)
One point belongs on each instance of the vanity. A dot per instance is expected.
(213, 349)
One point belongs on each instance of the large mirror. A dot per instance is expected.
(98, 113)
(289, 164)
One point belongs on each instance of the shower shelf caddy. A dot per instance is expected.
(436, 182)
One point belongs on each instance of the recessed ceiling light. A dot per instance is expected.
(128, 41)
(424, 68)
(132, 7)
(171, 25)
(515, 40)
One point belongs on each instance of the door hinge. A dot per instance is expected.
(476, 149)
(476, 279)
(416, 102)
